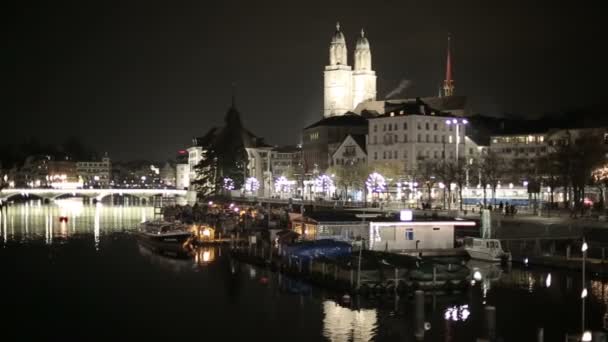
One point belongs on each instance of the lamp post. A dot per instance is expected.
(457, 123)
(585, 334)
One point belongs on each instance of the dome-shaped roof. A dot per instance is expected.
(362, 42)
(338, 37)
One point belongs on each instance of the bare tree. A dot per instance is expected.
(426, 174)
(492, 168)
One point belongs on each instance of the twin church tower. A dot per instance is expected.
(345, 88)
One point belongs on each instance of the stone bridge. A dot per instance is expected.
(98, 194)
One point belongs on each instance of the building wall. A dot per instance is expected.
(409, 139)
(349, 153)
(399, 236)
(195, 155)
(182, 176)
(319, 144)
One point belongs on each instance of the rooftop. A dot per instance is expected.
(348, 119)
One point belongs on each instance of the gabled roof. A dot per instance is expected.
(348, 119)
(360, 140)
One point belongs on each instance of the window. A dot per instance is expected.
(434, 127)
(384, 128)
(394, 154)
(405, 138)
(375, 128)
(450, 139)
(375, 139)
(409, 234)
(419, 126)
(404, 154)
(390, 127)
(427, 126)
(405, 125)
(435, 138)
(428, 138)
(383, 154)
(436, 154)
(375, 155)
(443, 138)
(450, 128)
(419, 138)
(470, 151)
(395, 127)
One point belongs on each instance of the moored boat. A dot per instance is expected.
(486, 249)
(166, 232)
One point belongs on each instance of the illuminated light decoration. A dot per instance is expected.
(375, 183)
(457, 313)
(228, 184)
(548, 280)
(584, 293)
(586, 336)
(584, 247)
(282, 184)
(477, 275)
(324, 184)
(406, 215)
(526, 261)
(251, 184)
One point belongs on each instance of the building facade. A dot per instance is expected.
(95, 173)
(413, 133)
(351, 151)
(322, 139)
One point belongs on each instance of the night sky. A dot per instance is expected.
(140, 79)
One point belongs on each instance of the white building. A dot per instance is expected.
(412, 133)
(95, 172)
(182, 176)
(345, 88)
(351, 151)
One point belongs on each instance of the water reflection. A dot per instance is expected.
(36, 221)
(344, 324)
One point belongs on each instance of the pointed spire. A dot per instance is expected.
(362, 33)
(448, 83)
(448, 69)
(338, 26)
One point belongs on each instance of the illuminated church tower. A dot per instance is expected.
(364, 78)
(337, 78)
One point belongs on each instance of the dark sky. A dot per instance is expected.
(139, 79)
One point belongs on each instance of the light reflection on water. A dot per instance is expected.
(341, 324)
(511, 290)
(36, 221)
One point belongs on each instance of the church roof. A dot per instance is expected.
(348, 119)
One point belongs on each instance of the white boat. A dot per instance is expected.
(163, 231)
(486, 249)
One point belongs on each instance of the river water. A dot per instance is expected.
(89, 279)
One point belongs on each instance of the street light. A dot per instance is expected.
(586, 334)
(457, 123)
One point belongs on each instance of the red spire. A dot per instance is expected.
(448, 83)
(448, 68)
